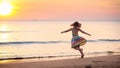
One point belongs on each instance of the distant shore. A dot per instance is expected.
(87, 62)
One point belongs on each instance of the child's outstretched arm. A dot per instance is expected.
(66, 30)
(84, 32)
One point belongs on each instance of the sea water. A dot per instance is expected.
(43, 39)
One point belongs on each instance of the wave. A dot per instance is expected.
(55, 56)
(104, 40)
(52, 42)
(32, 42)
(32, 57)
(8, 31)
(110, 40)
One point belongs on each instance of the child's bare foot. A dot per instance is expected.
(82, 56)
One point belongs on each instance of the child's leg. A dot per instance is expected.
(81, 51)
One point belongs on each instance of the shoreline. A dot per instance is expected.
(87, 62)
(107, 53)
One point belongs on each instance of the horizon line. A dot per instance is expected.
(56, 20)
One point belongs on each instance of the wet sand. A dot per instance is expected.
(87, 62)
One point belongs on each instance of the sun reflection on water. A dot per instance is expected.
(7, 61)
(4, 27)
(3, 35)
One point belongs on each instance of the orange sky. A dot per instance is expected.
(65, 9)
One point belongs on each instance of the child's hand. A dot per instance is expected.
(89, 34)
(62, 32)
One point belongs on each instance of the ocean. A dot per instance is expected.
(43, 39)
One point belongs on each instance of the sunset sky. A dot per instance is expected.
(63, 10)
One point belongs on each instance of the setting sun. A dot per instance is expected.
(5, 8)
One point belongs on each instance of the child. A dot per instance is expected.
(77, 41)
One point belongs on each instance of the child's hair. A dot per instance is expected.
(76, 24)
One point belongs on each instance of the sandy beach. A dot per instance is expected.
(87, 62)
